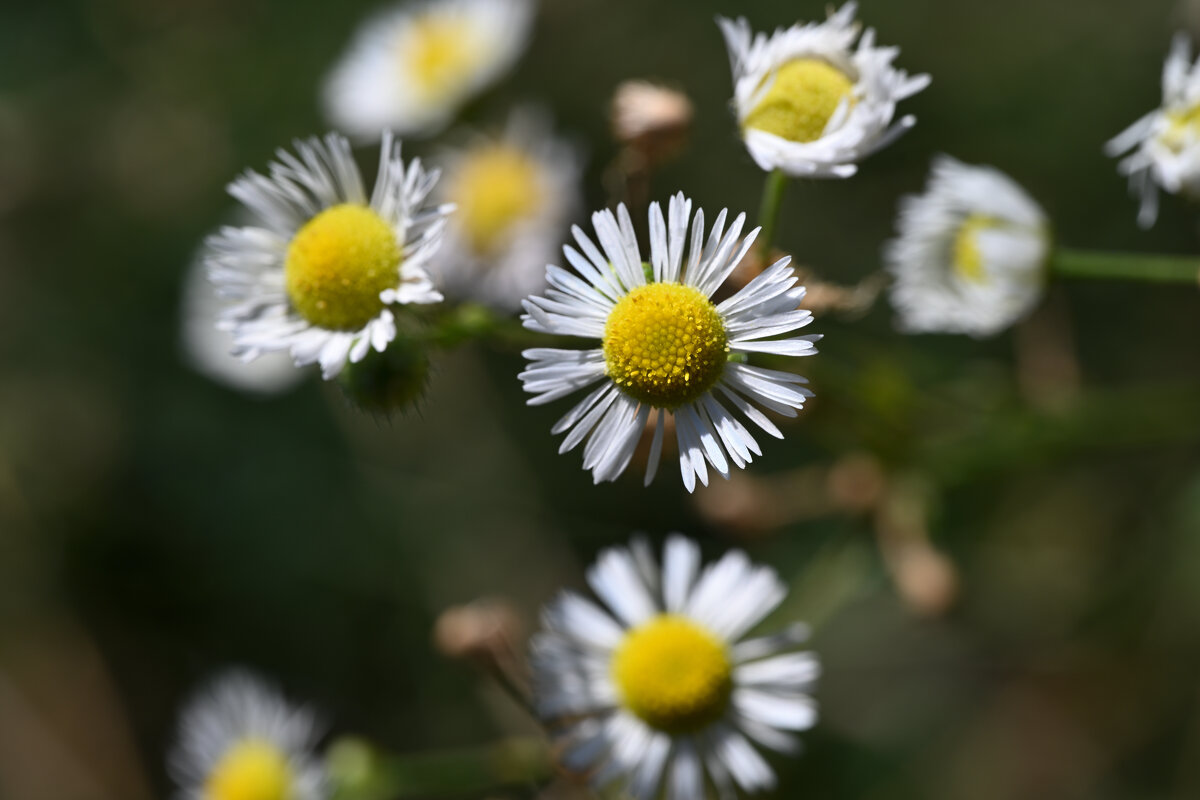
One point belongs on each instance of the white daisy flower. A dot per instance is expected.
(971, 253)
(318, 271)
(661, 689)
(811, 104)
(1165, 142)
(411, 67)
(664, 345)
(240, 740)
(206, 349)
(514, 197)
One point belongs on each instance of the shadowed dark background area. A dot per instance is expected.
(156, 527)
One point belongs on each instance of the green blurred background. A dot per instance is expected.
(156, 527)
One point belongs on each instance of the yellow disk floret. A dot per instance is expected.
(968, 258)
(441, 54)
(252, 769)
(665, 344)
(337, 265)
(495, 187)
(673, 674)
(801, 100)
(1183, 128)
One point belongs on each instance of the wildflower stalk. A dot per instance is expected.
(1125, 266)
(768, 210)
(359, 771)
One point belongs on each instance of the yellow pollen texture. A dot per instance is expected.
(673, 674)
(968, 258)
(665, 344)
(495, 187)
(440, 53)
(337, 265)
(801, 101)
(251, 769)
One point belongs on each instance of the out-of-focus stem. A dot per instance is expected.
(768, 210)
(360, 772)
(1125, 266)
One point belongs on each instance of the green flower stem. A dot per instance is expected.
(768, 211)
(358, 771)
(1125, 266)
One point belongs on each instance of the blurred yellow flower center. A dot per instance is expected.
(1183, 128)
(968, 258)
(252, 769)
(495, 187)
(337, 265)
(665, 344)
(441, 53)
(802, 100)
(673, 674)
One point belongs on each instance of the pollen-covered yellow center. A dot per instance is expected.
(441, 52)
(968, 257)
(495, 187)
(673, 674)
(252, 769)
(665, 344)
(337, 265)
(801, 101)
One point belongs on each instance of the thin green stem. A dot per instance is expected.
(768, 210)
(1125, 266)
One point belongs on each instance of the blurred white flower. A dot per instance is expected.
(207, 349)
(515, 196)
(1165, 142)
(664, 345)
(240, 740)
(661, 689)
(316, 274)
(810, 103)
(971, 252)
(411, 67)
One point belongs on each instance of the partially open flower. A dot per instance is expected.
(971, 254)
(809, 102)
(1165, 143)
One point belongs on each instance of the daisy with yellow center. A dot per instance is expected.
(412, 67)
(1165, 143)
(515, 195)
(239, 740)
(658, 690)
(322, 267)
(811, 104)
(664, 346)
(971, 252)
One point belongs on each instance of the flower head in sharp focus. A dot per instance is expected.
(240, 740)
(514, 197)
(661, 688)
(410, 68)
(664, 345)
(317, 273)
(1165, 143)
(971, 252)
(809, 102)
